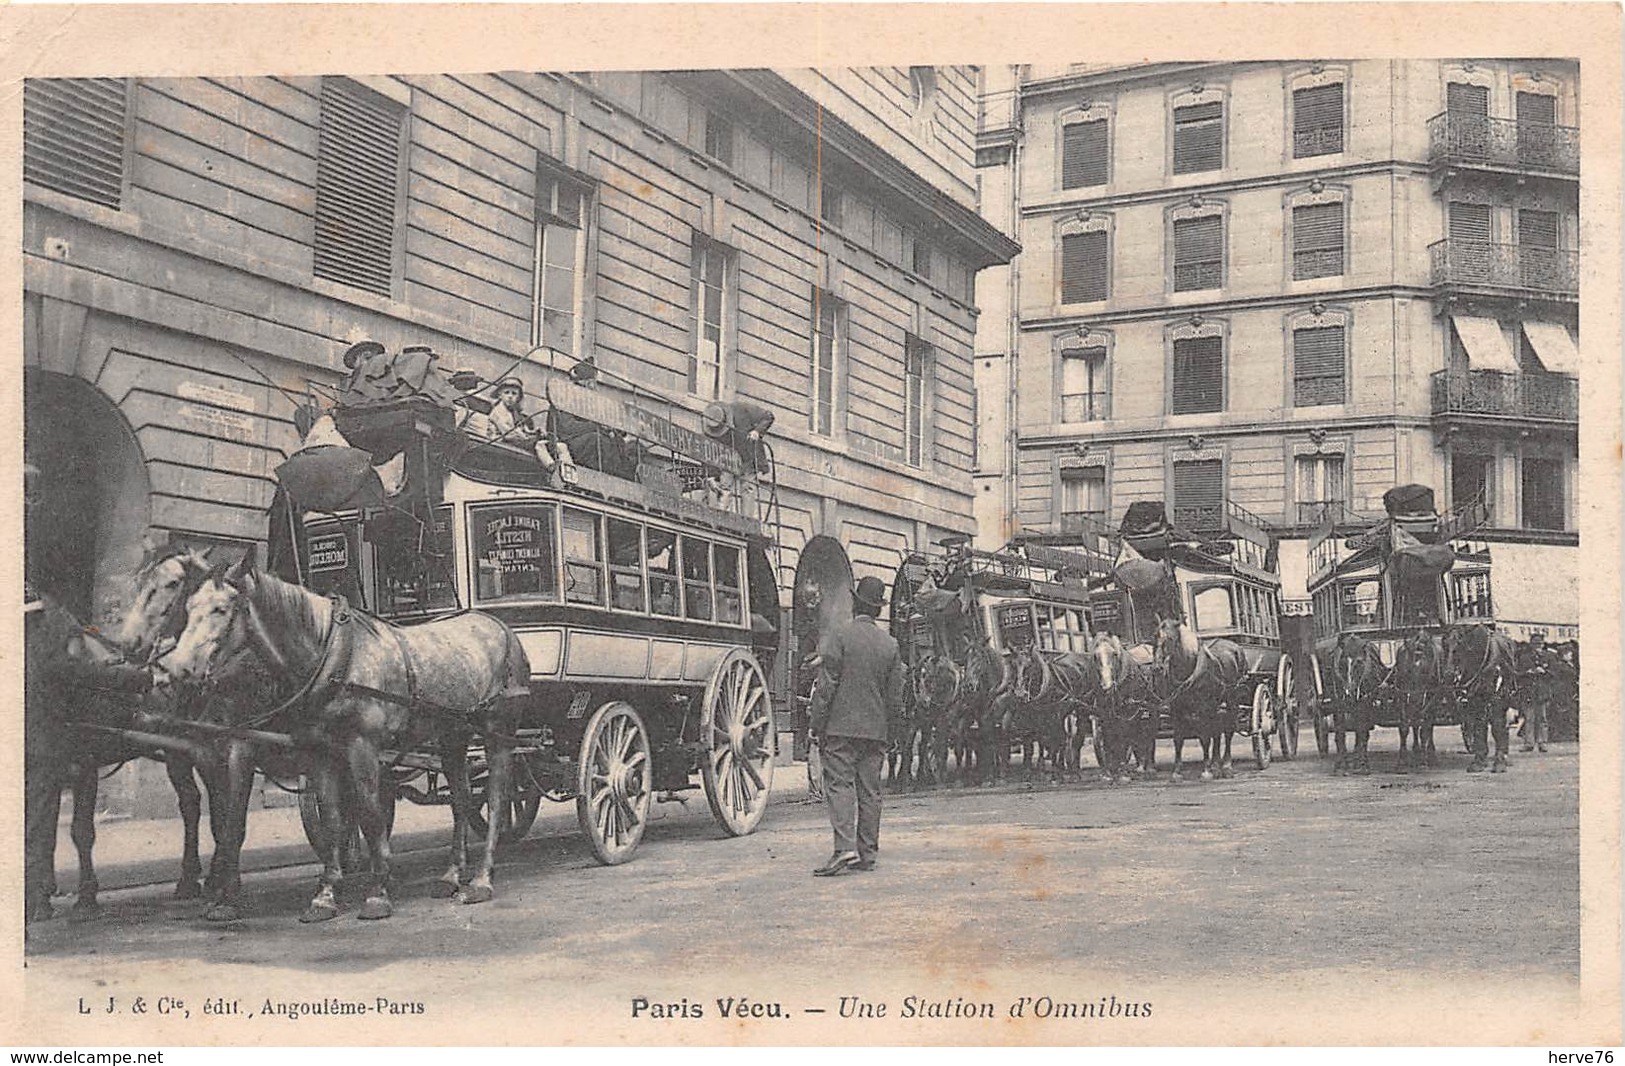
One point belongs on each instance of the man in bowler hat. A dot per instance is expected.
(860, 684)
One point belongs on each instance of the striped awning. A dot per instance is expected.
(1555, 347)
(1487, 347)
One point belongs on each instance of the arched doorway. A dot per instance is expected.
(84, 535)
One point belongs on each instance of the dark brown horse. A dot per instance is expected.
(1205, 681)
(1480, 668)
(1359, 684)
(1125, 707)
(1050, 693)
(365, 686)
(1420, 692)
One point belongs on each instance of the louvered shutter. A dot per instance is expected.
(1317, 366)
(1467, 99)
(1198, 253)
(1317, 241)
(1083, 267)
(1084, 154)
(1469, 222)
(1198, 137)
(357, 186)
(1317, 121)
(1198, 375)
(1199, 494)
(73, 136)
(1537, 229)
(1537, 109)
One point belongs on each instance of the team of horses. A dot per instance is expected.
(259, 675)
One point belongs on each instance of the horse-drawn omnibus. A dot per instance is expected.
(1222, 579)
(1385, 581)
(634, 567)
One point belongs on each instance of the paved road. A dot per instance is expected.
(1292, 902)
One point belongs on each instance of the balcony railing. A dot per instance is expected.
(1200, 518)
(1463, 138)
(1505, 266)
(1083, 522)
(1546, 397)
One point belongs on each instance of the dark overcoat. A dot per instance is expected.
(860, 681)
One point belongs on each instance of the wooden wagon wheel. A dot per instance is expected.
(1261, 725)
(614, 782)
(524, 803)
(736, 729)
(1323, 728)
(1286, 713)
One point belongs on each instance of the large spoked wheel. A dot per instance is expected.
(1323, 727)
(1262, 724)
(1286, 710)
(613, 782)
(523, 804)
(736, 727)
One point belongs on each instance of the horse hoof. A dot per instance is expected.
(375, 908)
(227, 912)
(1207, 775)
(477, 894)
(1176, 777)
(1476, 768)
(40, 912)
(318, 912)
(85, 911)
(188, 890)
(443, 889)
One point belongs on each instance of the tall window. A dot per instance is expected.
(916, 364)
(358, 183)
(1469, 221)
(1318, 484)
(826, 352)
(1199, 494)
(1537, 247)
(557, 267)
(73, 136)
(829, 202)
(1084, 262)
(1083, 385)
(1463, 99)
(1198, 137)
(1542, 493)
(1536, 109)
(1083, 497)
(1198, 383)
(1318, 366)
(1537, 137)
(1317, 121)
(1469, 229)
(1317, 241)
(1470, 478)
(1085, 154)
(719, 138)
(708, 300)
(1198, 253)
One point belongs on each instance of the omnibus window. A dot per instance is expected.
(1076, 627)
(665, 596)
(730, 597)
(583, 558)
(413, 568)
(1213, 609)
(1362, 603)
(625, 565)
(515, 552)
(696, 578)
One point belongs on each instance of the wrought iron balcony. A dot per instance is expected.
(1521, 267)
(1463, 139)
(1491, 393)
(1316, 512)
(1084, 522)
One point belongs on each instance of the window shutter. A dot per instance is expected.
(1083, 267)
(1084, 154)
(1198, 137)
(1469, 222)
(1317, 241)
(1317, 121)
(1537, 229)
(73, 136)
(1198, 253)
(1537, 109)
(1083, 384)
(1317, 366)
(1198, 375)
(357, 186)
(1469, 99)
(1199, 493)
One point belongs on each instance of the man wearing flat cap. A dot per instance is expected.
(859, 687)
